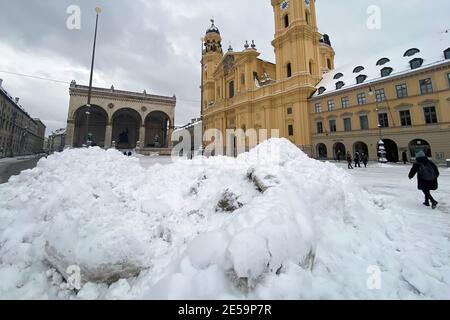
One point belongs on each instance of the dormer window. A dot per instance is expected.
(386, 72)
(322, 90)
(338, 76)
(358, 69)
(447, 53)
(416, 63)
(339, 85)
(383, 61)
(360, 79)
(411, 52)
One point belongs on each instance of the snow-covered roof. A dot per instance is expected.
(395, 62)
(13, 100)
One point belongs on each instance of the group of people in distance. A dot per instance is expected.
(358, 159)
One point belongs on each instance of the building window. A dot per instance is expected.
(382, 61)
(289, 110)
(289, 70)
(411, 52)
(231, 85)
(319, 127)
(360, 79)
(339, 85)
(380, 95)
(348, 124)
(430, 115)
(364, 122)
(345, 102)
(322, 90)
(307, 17)
(448, 79)
(329, 64)
(358, 69)
(242, 78)
(318, 108)
(402, 91)
(338, 76)
(447, 53)
(291, 130)
(383, 120)
(416, 63)
(426, 86)
(331, 105)
(362, 98)
(333, 127)
(405, 118)
(286, 21)
(386, 72)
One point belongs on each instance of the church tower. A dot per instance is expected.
(297, 41)
(211, 56)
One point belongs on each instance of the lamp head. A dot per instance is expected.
(98, 10)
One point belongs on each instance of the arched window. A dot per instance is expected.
(386, 72)
(307, 17)
(329, 63)
(231, 85)
(322, 90)
(416, 63)
(358, 69)
(289, 70)
(311, 67)
(338, 76)
(286, 21)
(382, 61)
(411, 52)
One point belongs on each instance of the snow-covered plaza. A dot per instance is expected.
(271, 224)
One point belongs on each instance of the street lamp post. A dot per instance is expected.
(98, 10)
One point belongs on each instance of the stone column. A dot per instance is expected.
(142, 136)
(70, 131)
(108, 136)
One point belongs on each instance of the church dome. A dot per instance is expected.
(213, 28)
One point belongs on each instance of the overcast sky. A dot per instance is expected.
(155, 44)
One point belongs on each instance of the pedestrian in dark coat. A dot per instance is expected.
(365, 159)
(427, 177)
(404, 157)
(349, 160)
(357, 160)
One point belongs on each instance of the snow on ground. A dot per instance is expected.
(272, 224)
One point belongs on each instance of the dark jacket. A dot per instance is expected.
(421, 183)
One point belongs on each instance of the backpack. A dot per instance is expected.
(427, 172)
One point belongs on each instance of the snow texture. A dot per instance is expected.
(296, 229)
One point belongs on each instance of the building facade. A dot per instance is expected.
(56, 142)
(122, 119)
(20, 134)
(401, 96)
(241, 91)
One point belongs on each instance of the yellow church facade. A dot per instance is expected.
(242, 91)
(401, 96)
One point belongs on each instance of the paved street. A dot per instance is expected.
(14, 166)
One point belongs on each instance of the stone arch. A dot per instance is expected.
(98, 120)
(157, 127)
(339, 151)
(391, 150)
(361, 147)
(126, 123)
(419, 145)
(322, 151)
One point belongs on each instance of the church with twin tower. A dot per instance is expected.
(242, 91)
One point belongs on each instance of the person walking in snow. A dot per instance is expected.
(404, 157)
(349, 160)
(427, 177)
(365, 159)
(357, 160)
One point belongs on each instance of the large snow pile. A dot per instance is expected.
(271, 224)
